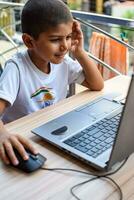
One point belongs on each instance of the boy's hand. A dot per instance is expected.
(8, 142)
(77, 39)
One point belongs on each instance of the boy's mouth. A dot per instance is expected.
(60, 55)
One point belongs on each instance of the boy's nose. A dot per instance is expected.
(64, 46)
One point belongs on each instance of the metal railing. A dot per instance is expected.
(6, 5)
(107, 19)
(81, 16)
(105, 33)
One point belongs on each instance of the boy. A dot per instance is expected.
(39, 76)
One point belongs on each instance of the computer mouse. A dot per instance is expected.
(34, 162)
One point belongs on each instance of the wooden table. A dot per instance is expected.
(52, 185)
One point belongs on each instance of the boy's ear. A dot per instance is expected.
(28, 40)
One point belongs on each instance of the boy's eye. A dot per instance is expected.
(60, 39)
(69, 37)
(55, 40)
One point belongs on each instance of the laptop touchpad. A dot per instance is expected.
(99, 108)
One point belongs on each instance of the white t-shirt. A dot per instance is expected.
(27, 89)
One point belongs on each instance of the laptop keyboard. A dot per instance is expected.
(96, 139)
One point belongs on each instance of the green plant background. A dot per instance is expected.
(129, 34)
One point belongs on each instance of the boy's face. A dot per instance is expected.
(52, 45)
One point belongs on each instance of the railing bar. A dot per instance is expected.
(1, 54)
(103, 18)
(100, 30)
(10, 4)
(103, 63)
(3, 57)
(113, 26)
(9, 38)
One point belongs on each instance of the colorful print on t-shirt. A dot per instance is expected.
(44, 95)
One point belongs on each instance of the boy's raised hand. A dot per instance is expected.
(8, 142)
(77, 39)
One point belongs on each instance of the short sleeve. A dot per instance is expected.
(9, 83)
(75, 74)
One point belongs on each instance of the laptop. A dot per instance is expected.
(100, 133)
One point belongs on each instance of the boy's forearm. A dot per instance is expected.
(1, 125)
(2, 128)
(92, 74)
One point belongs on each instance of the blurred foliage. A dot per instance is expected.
(129, 34)
(74, 4)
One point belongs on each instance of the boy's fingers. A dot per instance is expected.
(74, 42)
(76, 26)
(19, 147)
(10, 153)
(3, 155)
(7, 153)
(27, 144)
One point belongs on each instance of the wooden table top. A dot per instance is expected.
(52, 185)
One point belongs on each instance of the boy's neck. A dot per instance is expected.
(40, 64)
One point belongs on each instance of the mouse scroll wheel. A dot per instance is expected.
(34, 157)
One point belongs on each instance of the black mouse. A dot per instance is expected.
(32, 164)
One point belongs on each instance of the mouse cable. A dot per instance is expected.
(92, 179)
(95, 176)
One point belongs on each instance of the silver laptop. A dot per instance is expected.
(100, 133)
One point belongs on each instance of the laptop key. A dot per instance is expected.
(90, 152)
(95, 131)
(83, 149)
(97, 135)
(104, 130)
(97, 141)
(102, 138)
(89, 147)
(99, 147)
(91, 138)
(82, 144)
(109, 140)
(85, 136)
(94, 149)
(77, 141)
(78, 135)
(81, 139)
(90, 128)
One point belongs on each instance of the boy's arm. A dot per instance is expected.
(8, 141)
(93, 78)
